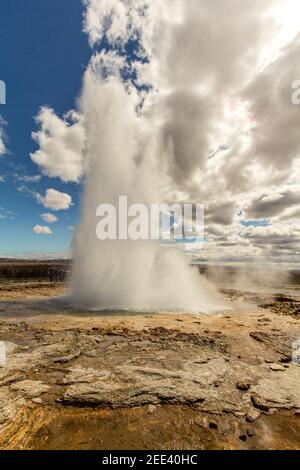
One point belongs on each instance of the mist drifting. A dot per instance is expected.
(127, 154)
(122, 157)
(187, 101)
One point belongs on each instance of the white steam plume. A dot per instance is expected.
(126, 154)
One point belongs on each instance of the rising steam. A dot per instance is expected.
(126, 154)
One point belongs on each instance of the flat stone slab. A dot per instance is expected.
(30, 388)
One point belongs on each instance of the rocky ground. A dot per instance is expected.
(77, 379)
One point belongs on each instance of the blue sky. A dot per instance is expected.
(43, 54)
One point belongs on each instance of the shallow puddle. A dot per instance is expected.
(163, 427)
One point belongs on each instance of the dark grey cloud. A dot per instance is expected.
(268, 205)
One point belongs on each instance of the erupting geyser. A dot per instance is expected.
(126, 154)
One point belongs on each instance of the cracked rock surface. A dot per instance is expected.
(236, 363)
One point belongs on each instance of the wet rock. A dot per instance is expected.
(285, 358)
(201, 421)
(259, 403)
(9, 406)
(277, 368)
(137, 385)
(38, 401)
(206, 374)
(108, 393)
(151, 409)
(9, 379)
(228, 409)
(243, 385)
(252, 416)
(83, 375)
(279, 391)
(68, 358)
(251, 433)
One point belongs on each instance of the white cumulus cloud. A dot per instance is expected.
(39, 230)
(29, 178)
(60, 143)
(50, 218)
(55, 200)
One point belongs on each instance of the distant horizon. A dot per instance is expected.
(214, 263)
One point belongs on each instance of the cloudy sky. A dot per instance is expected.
(214, 78)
